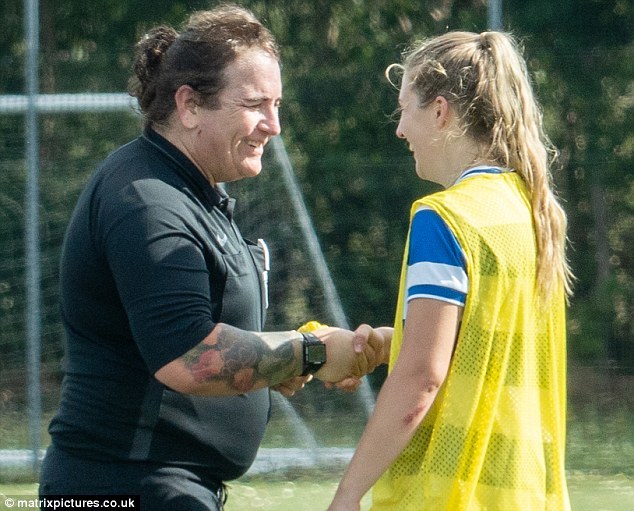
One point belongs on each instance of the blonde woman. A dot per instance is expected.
(472, 413)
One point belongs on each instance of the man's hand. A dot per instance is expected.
(349, 355)
(380, 337)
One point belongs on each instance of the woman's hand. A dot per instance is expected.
(289, 387)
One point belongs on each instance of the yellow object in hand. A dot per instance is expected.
(310, 326)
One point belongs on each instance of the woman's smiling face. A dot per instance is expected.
(417, 125)
(230, 139)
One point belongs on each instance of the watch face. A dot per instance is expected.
(316, 354)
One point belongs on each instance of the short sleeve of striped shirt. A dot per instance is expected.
(436, 266)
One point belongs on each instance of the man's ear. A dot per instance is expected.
(187, 107)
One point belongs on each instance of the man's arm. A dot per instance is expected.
(231, 361)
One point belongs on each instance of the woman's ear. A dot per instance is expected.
(442, 111)
(187, 107)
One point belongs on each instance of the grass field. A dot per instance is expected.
(587, 492)
(599, 457)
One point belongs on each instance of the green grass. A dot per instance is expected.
(587, 493)
(599, 458)
(601, 442)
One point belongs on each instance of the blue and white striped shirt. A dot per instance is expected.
(436, 266)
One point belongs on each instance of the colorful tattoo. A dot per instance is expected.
(241, 359)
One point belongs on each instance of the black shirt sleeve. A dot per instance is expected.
(160, 271)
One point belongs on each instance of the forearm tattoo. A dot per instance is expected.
(242, 359)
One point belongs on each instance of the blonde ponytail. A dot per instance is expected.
(518, 134)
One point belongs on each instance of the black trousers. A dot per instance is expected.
(160, 487)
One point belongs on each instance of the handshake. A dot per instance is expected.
(349, 356)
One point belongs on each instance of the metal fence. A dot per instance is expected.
(21, 177)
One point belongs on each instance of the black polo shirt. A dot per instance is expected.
(151, 261)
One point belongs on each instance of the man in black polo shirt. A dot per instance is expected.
(167, 372)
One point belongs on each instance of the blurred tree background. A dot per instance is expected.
(338, 126)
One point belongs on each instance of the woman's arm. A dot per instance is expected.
(407, 394)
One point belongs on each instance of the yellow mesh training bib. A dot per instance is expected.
(494, 438)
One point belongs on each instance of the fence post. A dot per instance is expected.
(32, 230)
(494, 12)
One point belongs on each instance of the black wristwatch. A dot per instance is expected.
(314, 354)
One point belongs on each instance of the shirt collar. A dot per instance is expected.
(211, 196)
(480, 169)
(226, 203)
